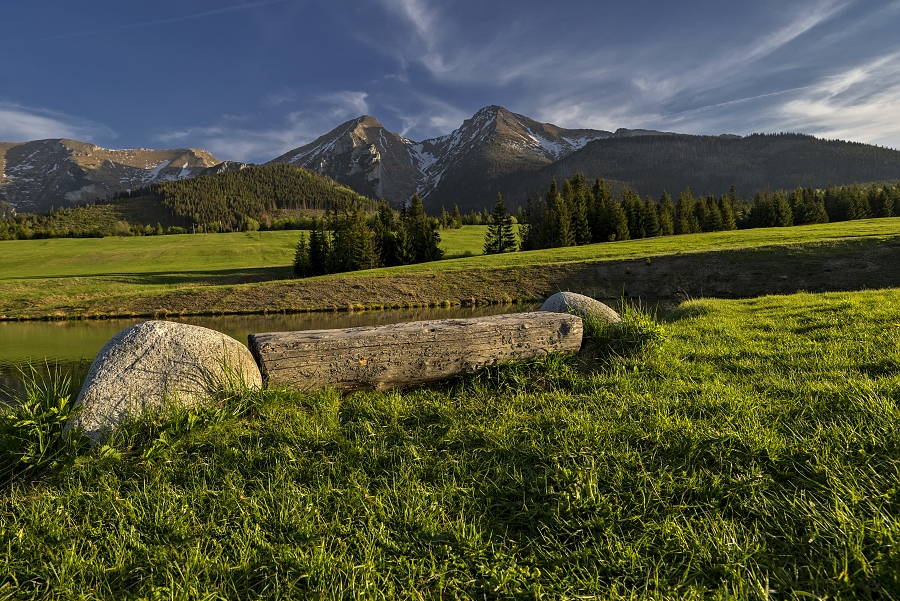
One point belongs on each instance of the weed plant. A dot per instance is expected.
(751, 452)
(33, 436)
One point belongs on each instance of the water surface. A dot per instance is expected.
(72, 345)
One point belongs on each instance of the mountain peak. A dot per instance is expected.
(368, 121)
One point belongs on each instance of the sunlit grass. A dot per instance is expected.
(751, 450)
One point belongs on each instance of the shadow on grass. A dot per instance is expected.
(223, 276)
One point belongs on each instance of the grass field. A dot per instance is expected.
(108, 276)
(750, 452)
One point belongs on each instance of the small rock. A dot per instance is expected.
(151, 363)
(581, 305)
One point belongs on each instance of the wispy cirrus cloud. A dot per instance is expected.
(143, 24)
(22, 123)
(861, 103)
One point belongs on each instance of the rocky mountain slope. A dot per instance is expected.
(37, 175)
(461, 167)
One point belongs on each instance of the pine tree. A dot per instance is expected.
(650, 218)
(728, 221)
(318, 251)
(423, 233)
(666, 210)
(618, 222)
(500, 237)
(633, 208)
(456, 217)
(685, 217)
(579, 209)
(559, 222)
(599, 212)
(714, 221)
(302, 265)
(352, 248)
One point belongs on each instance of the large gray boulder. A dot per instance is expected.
(147, 365)
(581, 305)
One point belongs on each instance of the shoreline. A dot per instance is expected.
(831, 266)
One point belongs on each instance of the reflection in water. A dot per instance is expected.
(71, 345)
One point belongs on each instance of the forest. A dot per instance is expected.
(582, 214)
(348, 239)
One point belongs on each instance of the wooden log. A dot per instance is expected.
(409, 354)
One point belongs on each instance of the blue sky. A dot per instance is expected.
(250, 80)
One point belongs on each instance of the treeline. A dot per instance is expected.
(229, 201)
(347, 239)
(455, 220)
(582, 214)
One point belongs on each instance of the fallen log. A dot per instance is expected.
(409, 354)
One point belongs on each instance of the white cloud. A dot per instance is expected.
(861, 103)
(21, 124)
(345, 105)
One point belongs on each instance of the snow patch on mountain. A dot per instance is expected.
(154, 173)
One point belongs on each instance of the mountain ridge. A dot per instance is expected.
(37, 175)
(495, 150)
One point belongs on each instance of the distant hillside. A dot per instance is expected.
(257, 192)
(35, 176)
(710, 164)
(6, 210)
(221, 202)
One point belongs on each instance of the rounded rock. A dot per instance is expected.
(150, 364)
(581, 305)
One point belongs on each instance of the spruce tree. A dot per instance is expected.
(302, 266)
(714, 222)
(599, 214)
(456, 217)
(579, 209)
(559, 222)
(633, 208)
(618, 222)
(650, 218)
(500, 237)
(666, 211)
(725, 208)
(423, 233)
(318, 251)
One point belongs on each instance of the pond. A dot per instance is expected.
(72, 345)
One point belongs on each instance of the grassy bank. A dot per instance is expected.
(247, 272)
(751, 452)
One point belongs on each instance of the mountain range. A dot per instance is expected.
(495, 150)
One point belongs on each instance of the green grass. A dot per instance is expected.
(51, 275)
(750, 452)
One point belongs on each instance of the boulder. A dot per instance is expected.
(581, 305)
(153, 363)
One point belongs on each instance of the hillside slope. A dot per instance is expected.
(35, 176)
(712, 164)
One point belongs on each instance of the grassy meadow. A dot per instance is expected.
(137, 276)
(743, 449)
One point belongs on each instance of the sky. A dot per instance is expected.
(250, 80)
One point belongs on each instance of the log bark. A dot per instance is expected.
(409, 354)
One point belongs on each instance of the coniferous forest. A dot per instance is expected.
(582, 214)
(348, 239)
